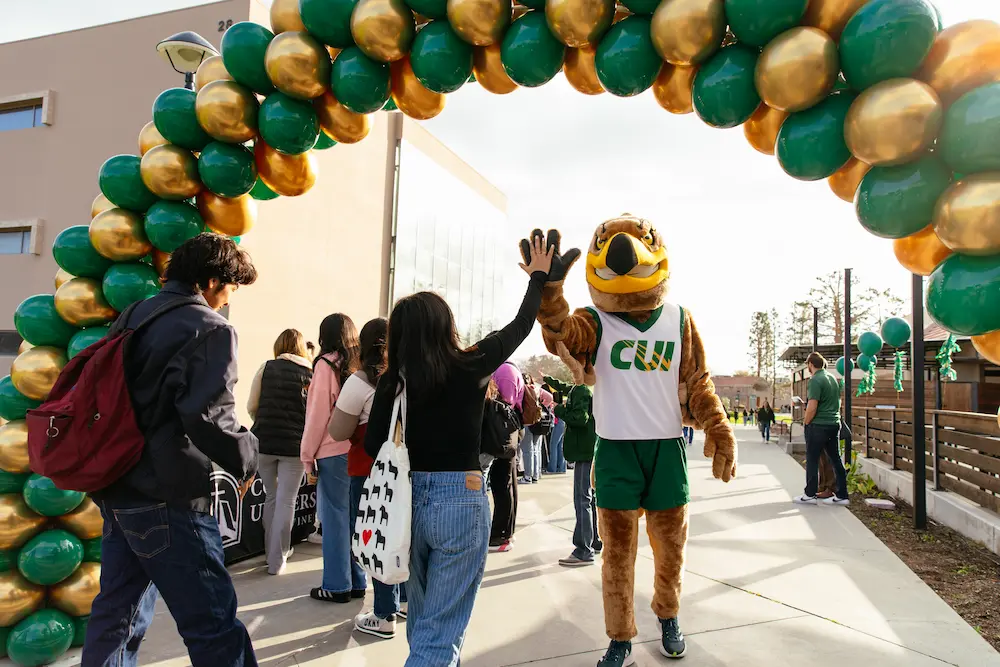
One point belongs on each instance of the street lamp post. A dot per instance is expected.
(185, 51)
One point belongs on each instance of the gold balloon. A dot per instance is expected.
(100, 205)
(211, 69)
(797, 69)
(227, 111)
(621, 13)
(988, 345)
(383, 29)
(340, 123)
(75, 594)
(831, 16)
(579, 23)
(921, 253)
(119, 235)
(580, 70)
(967, 215)
(18, 597)
(170, 172)
(298, 65)
(81, 302)
(673, 87)
(963, 57)
(410, 95)
(150, 138)
(489, 71)
(24, 346)
(18, 522)
(847, 180)
(480, 22)
(232, 216)
(334, 52)
(518, 12)
(160, 261)
(288, 175)
(36, 370)
(893, 122)
(285, 17)
(762, 128)
(85, 521)
(687, 32)
(14, 447)
(62, 277)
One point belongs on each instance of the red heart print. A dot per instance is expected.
(366, 535)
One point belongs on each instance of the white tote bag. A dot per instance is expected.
(381, 541)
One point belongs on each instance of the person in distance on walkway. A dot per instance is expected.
(822, 422)
(503, 473)
(581, 437)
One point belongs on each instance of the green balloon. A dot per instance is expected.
(441, 60)
(893, 202)
(724, 91)
(530, 53)
(8, 560)
(626, 60)
(811, 143)
(40, 638)
(38, 322)
(92, 550)
(4, 633)
(533, 4)
(228, 170)
(870, 343)
(970, 140)
(757, 22)
(886, 39)
(243, 47)
(14, 404)
(261, 192)
(80, 630)
(42, 495)
(124, 284)
(359, 83)
(121, 182)
(866, 362)
(175, 119)
(390, 105)
(84, 338)
(963, 294)
(12, 482)
(641, 7)
(322, 144)
(287, 124)
(50, 557)
(330, 20)
(74, 254)
(896, 332)
(171, 223)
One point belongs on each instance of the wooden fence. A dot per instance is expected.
(962, 448)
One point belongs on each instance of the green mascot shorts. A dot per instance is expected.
(651, 474)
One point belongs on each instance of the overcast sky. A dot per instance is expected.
(741, 235)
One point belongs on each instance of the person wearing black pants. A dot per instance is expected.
(822, 432)
(503, 484)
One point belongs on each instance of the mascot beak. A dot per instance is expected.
(625, 265)
(621, 255)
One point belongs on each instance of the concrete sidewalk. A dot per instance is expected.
(768, 583)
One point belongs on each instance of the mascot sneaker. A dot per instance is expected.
(619, 654)
(672, 644)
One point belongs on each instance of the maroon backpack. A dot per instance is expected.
(85, 435)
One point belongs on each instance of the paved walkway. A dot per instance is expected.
(768, 583)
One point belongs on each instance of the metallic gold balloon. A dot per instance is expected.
(621, 13)
(35, 371)
(211, 69)
(963, 57)
(687, 32)
(482, 22)
(489, 71)
(75, 594)
(18, 523)
(85, 521)
(285, 17)
(762, 128)
(893, 122)
(227, 111)
(24, 347)
(988, 345)
(847, 180)
(232, 216)
(580, 70)
(967, 215)
(18, 597)
(170, 172)
(119, 235)
(673, 86)
(797, 70)
(100, 205)
(578, 23)
(298, 65)
(150, 138)
(921, 253)
(383, 29)
(519, 11)
(14, 447)
(831, 16)
(160, 261)
(81, 302)
(340, 123)
(62, 277)
(289, 175)
(333, 51)
(410, 95)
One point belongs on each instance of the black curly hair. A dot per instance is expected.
(208, 256)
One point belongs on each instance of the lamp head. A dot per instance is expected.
(185, 51)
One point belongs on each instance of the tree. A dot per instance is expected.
(545, 364)
(870, 307)
(761, 335)
(798, 324)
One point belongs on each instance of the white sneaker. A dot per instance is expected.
(805, 500)
(834, 500)
(370, 624)
(403, 608)
(315, 538)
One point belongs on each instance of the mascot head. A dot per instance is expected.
(627, 266)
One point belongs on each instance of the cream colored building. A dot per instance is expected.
(69, 101)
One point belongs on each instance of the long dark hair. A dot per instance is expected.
(337, 333)
(372, 338)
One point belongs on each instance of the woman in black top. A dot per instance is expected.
(445, 393)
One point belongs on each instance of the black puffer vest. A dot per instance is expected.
(281, 413)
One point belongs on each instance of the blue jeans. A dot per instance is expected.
(765, 431)
(340, 573)
(689, 433)
(557, 462)
(583, 496)
(387, 598)
(149, 548)
(448, 544)
(531, 454)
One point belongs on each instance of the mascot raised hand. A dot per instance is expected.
(646, 362)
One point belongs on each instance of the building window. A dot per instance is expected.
(15, 242)
(10, 341)
(21, 118)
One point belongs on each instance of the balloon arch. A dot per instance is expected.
(901, 116)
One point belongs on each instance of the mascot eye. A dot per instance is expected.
(599, 243)
(648, 239)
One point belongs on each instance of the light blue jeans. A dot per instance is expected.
(531, 455)
(557, 462)
(448, 543)
(340, 573)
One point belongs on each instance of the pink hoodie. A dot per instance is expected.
(323, 392)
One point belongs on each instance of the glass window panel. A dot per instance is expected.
(38, 116)
(11, 243)
(17, 119)
(25, 242)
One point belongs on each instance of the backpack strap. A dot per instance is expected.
(121, 324)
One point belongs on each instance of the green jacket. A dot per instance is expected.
(578, 413)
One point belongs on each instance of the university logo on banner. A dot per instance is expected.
(227, 507)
